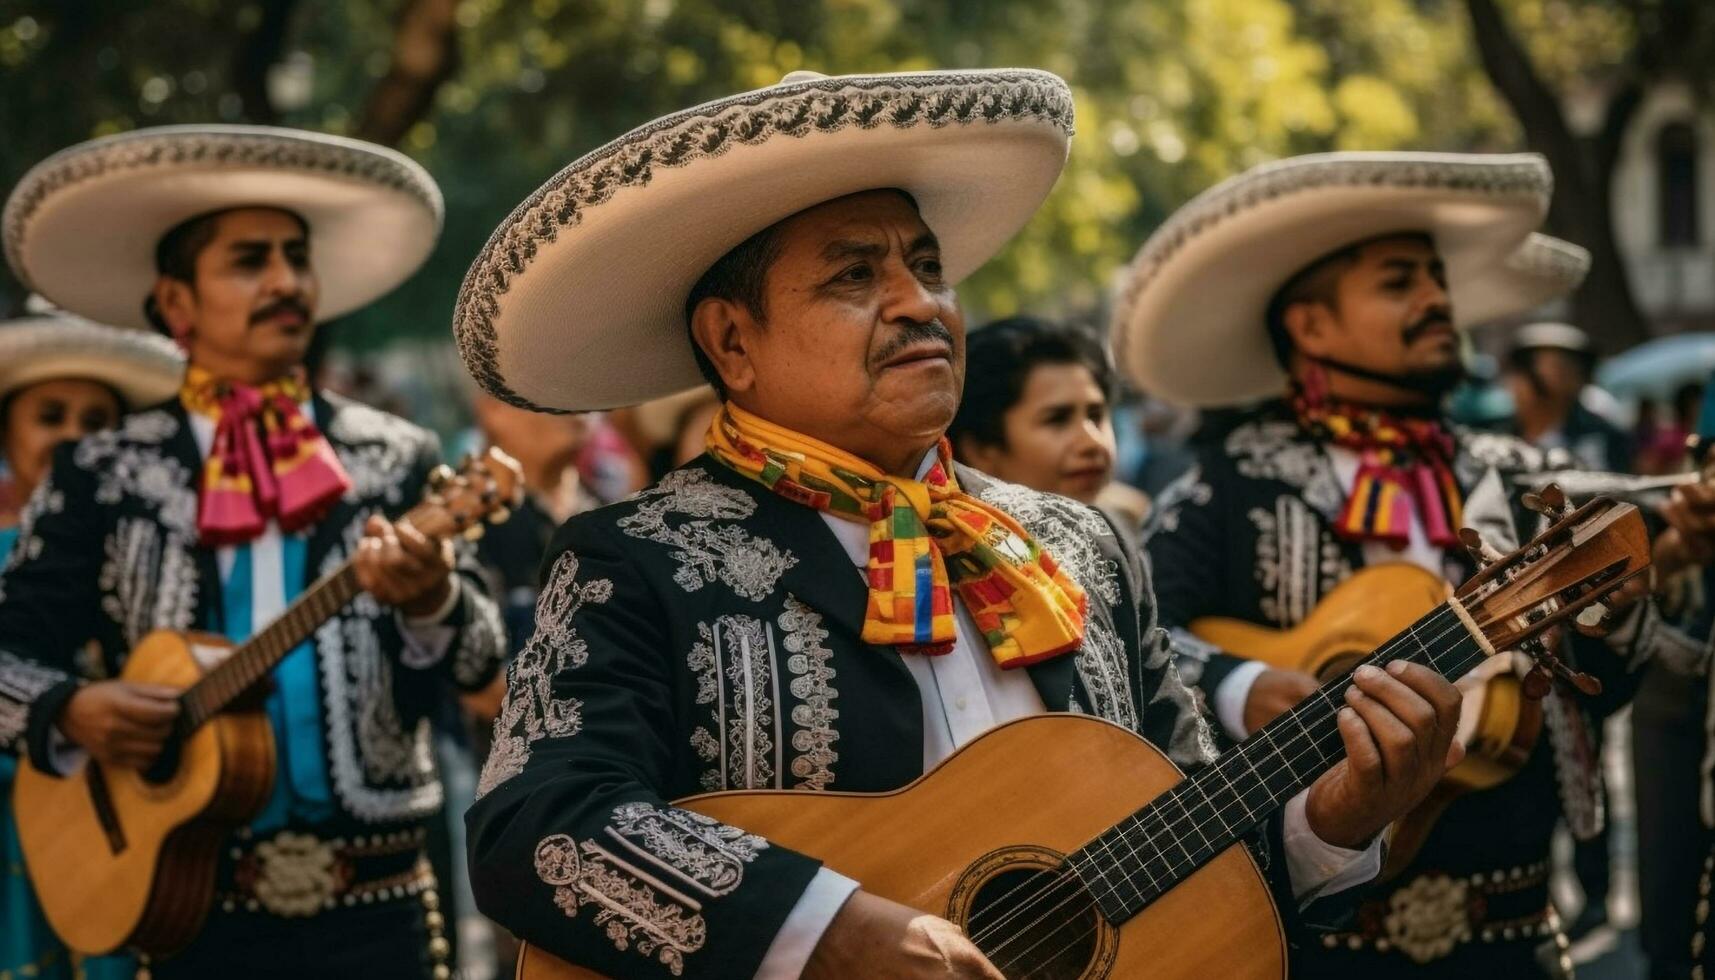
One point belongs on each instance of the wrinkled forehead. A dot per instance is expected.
(875, 214)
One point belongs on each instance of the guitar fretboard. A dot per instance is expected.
(252, 660)
(1143, 856)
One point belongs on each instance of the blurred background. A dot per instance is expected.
(494, 96)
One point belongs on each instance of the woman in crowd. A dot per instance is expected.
(60, 379)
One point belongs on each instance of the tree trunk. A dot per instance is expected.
(259, 50)
(425, 54)
(1583, 176)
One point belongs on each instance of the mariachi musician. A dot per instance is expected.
(214, 508)
(1330, 284)
(797, 247)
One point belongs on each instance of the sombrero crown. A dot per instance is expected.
(577, 300)
(1190, 325)
(81, 227)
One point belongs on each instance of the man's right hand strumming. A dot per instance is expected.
(872, 936)
(121, 723)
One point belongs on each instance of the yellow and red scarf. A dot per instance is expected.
(267, 460)
(1405, 463)
(926, 538)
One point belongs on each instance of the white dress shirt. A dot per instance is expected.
(964, 694)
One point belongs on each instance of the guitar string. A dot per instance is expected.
(1093, 905)
(1168, 825)
(1174, 868)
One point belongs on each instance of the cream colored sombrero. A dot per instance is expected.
(82, 226)
(1190, 327)
(1541, 271)
(48, 345)
(577, 301)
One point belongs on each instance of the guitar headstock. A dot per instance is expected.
(1576, 562)
(483, 490)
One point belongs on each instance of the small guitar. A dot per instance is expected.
(123, 857)
(1498, 725)
(1110, 862)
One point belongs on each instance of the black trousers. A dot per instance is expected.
(1528, 960)
(1667, 752)
(384, 941)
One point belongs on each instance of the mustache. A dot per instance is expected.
(913, 333)
(285, 304)
(1438, 317)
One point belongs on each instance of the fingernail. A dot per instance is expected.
(1397, 668)
(1354, 695)
(1367, 672)
(1347, 714)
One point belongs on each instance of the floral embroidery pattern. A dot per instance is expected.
(1274, 450)
(1188, 490)
(1296, 562)
(1103, 669)
(21, 683)
(707, 553)
(531, 712)
(809, 661)
(705, 853)
(734, 665)
(154, 426)
(148, 579)
(630, 912)
(143, 472)
(47, 499)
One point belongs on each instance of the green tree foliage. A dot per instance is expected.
(1171, 96)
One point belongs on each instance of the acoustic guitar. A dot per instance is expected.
(1498, 725)
(125, 857)
(1109, 862)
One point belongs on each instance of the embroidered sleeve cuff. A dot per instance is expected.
(1230, 697)
(439, 616)
(804, 925)
(1317, 868)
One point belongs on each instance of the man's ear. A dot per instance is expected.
(715, 327)
(1308, 323)
(175, 301)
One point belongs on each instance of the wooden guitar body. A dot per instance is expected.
(1012, 802)
(119, 859)
(1498, 724)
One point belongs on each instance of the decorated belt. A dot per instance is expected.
(1429, 916)
(294, 874)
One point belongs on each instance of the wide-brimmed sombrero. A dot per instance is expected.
(1540, 271)
(577, 301)
(1190, 325)
(50, 345)
(82, 226)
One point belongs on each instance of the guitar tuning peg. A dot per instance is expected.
(1550, 502)
(474, 532)
(500, 515)
(439, 476)
(1479, 549)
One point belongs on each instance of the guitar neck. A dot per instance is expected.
(252, 660)
(1147, 854)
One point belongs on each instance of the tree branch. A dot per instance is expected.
(258, 50)
(425, 55)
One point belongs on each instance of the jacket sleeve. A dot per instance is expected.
(572, 844)
(474, 652)
(49, 604)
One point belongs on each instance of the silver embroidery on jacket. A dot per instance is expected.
(627, 909)
(734, 664)
(707, 552)
(143, 472)
(705, 854)
(156, 426)
(531, 712)
(46, 499)
(810, 662)
(148, 579)
(21, 683)
(1271, 450)
(1189, 490)
(1103, 669)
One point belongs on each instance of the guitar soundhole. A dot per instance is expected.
(1031, 918)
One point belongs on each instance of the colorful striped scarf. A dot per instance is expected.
(926, 538)
(1405, 463)
(267, 460)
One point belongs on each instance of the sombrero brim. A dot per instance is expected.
(143, 367)
(1190, 325)
(1541, 271)
(577, 301)
(82, 226)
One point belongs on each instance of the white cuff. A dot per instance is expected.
(1317, 868)
(804, 925)
(1231, 696)
(442, 612)
(63, 753)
